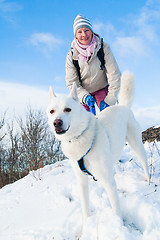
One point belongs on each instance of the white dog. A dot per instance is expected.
(97, 140)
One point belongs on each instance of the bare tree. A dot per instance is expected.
(38, 146)
(2, 150)
(26, 146)
(2, 123)
(12, 153)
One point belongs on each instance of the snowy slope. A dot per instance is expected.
(45, 204)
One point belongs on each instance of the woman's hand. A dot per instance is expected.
(103, 105)
(89, 100)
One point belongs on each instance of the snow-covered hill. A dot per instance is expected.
(45, 204)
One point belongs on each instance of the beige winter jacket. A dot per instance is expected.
(92, 77)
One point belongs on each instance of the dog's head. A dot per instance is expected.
(65, 114)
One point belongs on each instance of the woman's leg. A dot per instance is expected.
(100, 95)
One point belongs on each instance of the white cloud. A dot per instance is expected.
(107, 29)
(137, 34)
(45, 42)
(148, 21)
(130, 46)
(145, 27)
(15, 97)
(7, 7)
(147, 116)
(7, 10)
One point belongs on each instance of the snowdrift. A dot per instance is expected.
(45, 204)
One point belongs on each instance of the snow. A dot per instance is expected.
(45, 204)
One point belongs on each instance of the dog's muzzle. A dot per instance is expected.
(58, 125)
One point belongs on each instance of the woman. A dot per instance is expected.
(94, 83)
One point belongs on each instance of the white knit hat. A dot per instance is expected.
(81, 22)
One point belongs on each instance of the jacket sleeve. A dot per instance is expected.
(113, 76)
(72, 76)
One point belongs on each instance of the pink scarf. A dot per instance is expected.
(85, 51)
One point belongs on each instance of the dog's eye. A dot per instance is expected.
(67, 110)
(52, 111)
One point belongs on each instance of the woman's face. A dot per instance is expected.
(84, 35)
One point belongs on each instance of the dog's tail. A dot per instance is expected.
(126, 92)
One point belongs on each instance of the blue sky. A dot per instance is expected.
(35, 36)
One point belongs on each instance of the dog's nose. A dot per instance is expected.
(58, 123)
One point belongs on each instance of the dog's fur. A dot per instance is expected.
(106, 134)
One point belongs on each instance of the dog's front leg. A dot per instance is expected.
(84, 196)
(82, 180)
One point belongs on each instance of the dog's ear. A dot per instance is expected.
(73, 92)
(51, 94)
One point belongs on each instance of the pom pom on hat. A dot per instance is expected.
(81, 22)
